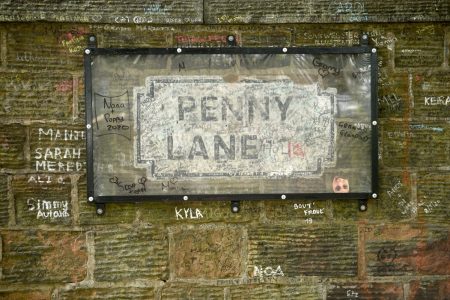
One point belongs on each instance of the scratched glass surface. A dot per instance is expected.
(231, 124)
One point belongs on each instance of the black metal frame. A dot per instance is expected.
(100, 201)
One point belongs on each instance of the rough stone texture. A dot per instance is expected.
(271, 36)
(419, 145)
(46, 47)
(201, 38)
(430, 144)
(116, 12)
(131, 36)
(269, 291)
(300, 212)
(431, 95)
(326, 35)
(34, 96)
(125, 253)
(185, 291)
(42, 199)
(393, 98)
(4, 202)
(394, 201)
(108, 293)
(58, 148)
(12, 139)
(392, 291)
(408, 250)
(207, 253)
(123, 213)
(298, 251)
(41, 256)
(25, 295)
(419, 47)
(424, 290)
(433, 197)
(305, 11)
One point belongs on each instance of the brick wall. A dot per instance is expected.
(398, 249)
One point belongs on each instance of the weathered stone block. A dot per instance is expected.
(430, 145)
(415, 145)
(427, 289)
(129, 253)
(365, 290)
(42, 199)
(4, 201)
(302, 212)
(113, 36)
(43, 256)
(431, 95)
(211, 252)
(270, 291)
(108, 293)
(394, 201)
(26, 295)
(46, 47)
(299, 251)
(185, 291)
(116, 12)
(395, 140)
(417, 249)
(421, 46)
(58, 148)
(196, 211)
(326, 35)
(12, 137)
(238, 11)
(122, 213)
(201, 38)
(393, 98)
(271, 36)
(81, 98)
(35, 96)
(433, 197)
(344, 210)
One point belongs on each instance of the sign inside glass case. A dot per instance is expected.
(231, 123)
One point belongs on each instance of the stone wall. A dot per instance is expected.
(54, 246)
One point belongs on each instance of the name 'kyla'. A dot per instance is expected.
(222, 151)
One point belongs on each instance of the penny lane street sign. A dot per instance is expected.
(230, 123)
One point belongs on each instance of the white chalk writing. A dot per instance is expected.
(188, 213)
(46, 209)
(259, 271)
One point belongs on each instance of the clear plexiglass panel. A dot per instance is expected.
(221, 124)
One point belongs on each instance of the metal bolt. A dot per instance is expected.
(92, 38)
(185, 198)
(100, 211)
(230, 38)
(178, 50)
(362, 207)
(364, 36)
(284, 50)
(283, 197)
(374, 195)
(374, 123)
(374, 50)
(87, 51)
(90, 199)
(88, 126)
